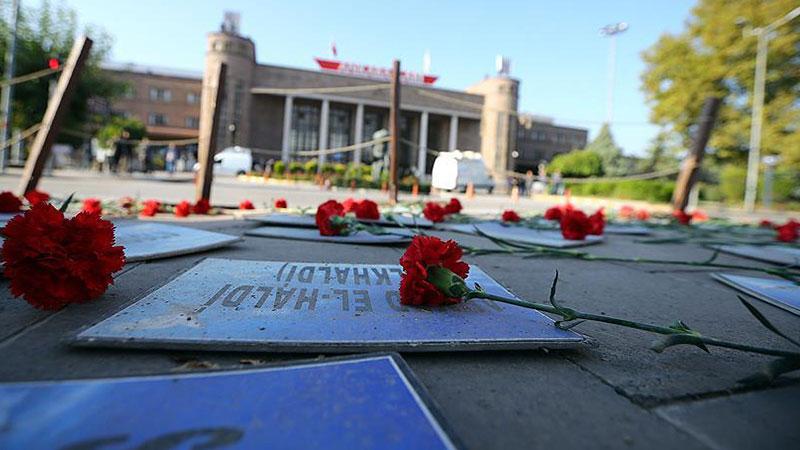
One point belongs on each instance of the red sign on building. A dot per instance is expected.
(380, 73)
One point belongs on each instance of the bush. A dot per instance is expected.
(339, 169)
(327, 169)
(578, 163)
(648, 190)
(311, 166)
(295, 167)
(279, 168)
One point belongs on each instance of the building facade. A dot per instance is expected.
(281, 111)
(539, 140)
(167, 101)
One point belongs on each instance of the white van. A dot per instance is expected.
(455, 170)
(232, 161)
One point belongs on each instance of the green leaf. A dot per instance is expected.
(66, 203)
(772, 371)
(764, 321)
(678, 339)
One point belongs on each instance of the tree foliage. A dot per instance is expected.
(578, 163)
(715, 55)
(120, 128)
(49, 32)
(614, 163)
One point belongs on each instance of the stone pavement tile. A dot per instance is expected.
(764, 419)
(620, 356)
(16, 314)
(537, 401)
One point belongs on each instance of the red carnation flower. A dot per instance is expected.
(425, 252)
(626, 211)
(92, 206)
(699, 216)
(323, 218)
(557, 212)
(126, 202)
(52, 261)
(202, 206)
(642, 215)
(183, 209)
(281, 203)
(246, 204)
(453, 207)
(788, 232)
(150, 208)
(434, 212)
(682, 217)
(9, 203)
(367, 209)
(510, 215)
(349, 205)
(597, 222)
(33, 197)
(574, 225)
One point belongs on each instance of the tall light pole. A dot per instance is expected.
(754, 157)
(612, 31)
(5, 96)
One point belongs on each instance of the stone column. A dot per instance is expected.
(359, 131)
(287, 128)
(323, 132)
(423, 144)
(498, 124)
(453, 138)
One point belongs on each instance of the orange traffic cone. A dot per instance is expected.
(470, 190)
(415, 190)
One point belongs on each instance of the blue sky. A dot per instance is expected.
(554, 46)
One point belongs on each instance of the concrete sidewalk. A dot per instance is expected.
(611, 393)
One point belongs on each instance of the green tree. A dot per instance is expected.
(614, 163)
(49, 32)
(715, 55)
(661, 154)
(120, 128)
(577, 163)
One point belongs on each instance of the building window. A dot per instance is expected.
(160, 95)
(192, 98)
(339, 133)
(192, 122)
(305, 127)
(156, 119)
(129, 92)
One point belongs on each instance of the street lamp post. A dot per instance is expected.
(754, 157)
(612, 31)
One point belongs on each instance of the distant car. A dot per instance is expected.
(454, 171)
(232, 161)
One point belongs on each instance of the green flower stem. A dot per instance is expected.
(533, 251)
(568, 314)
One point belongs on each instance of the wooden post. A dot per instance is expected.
(208, 134)
(690, 169)
(394, 131)
(54, 114)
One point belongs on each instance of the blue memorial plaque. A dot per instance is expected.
(372, 402)
(224, 304)
(5, 217)
(776, 254)
(546, 238)
(394, 236)
(781, 293)
(149, 240)
(309, 221)
(627, 229)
